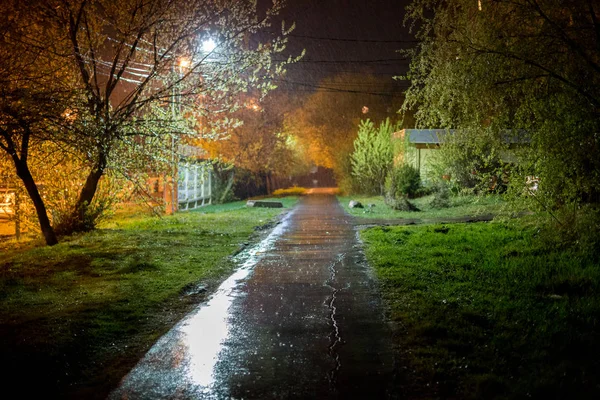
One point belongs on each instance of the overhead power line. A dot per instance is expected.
(332, 39)
(383, 60)
(339, 90)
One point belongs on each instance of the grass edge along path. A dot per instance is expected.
(76, 317)
(460, 207)
(488, 310)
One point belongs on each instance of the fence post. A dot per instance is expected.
(209, 185)
(203, 184)
(195, 185)
(17, 217)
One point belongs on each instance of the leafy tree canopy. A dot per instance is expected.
(106, 77)
(326, 122)
(511, 67)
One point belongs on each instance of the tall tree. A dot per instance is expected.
(113, 81)
(529, 66)
(32, 105)
(132, 56)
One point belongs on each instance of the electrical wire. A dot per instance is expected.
(339, 90)
(332, 39)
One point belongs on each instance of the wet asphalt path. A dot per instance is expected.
(301, 319)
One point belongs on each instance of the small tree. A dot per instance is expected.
(403, 181)
(373, 155)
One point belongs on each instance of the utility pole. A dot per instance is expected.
(170, 193)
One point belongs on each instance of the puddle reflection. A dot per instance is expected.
(183, 360)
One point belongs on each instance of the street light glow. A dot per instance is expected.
(184, 63)
(208, 45)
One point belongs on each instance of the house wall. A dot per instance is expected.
(425, 158)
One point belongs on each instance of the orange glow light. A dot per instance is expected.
(184, 63)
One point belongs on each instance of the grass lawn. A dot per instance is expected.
(487, 310)
(74, 318)
(460, 206)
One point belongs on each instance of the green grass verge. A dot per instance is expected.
(488, 311)
(75, 317)
(460, 206)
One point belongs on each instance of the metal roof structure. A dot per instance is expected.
(436, 136)
(427, 136)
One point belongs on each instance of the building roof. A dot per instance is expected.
(436, 136)
(423, 136)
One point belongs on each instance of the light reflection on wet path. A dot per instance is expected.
(300, 319)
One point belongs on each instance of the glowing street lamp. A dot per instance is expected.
(208, 45)
(184, 63)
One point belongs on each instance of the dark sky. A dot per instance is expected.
(346, 36)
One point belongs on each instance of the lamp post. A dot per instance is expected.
(171, 190)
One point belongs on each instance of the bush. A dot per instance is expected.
(293, 191)
(441, 196)
(399, 204)
(403, 182)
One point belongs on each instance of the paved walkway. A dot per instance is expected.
(300, 319)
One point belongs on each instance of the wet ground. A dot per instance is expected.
(301, 318)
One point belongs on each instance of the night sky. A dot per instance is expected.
(345, 36)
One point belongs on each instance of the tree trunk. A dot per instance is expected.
(25, 175)
(269, 183)
(230, 181)
(88, 192)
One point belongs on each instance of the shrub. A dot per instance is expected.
(399, 204)
(403, 181)
(441, 196)
(373, 156)
(293, 191)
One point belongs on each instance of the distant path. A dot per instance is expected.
(307, 323)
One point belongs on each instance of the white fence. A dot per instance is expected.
(195, 185)
(7, 202)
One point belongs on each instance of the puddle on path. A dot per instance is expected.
(183, 360)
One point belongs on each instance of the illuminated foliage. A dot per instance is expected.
(326, 122)
(126, 82)
(373, 156)
(522, 66)
(259, 145)
(32, 103)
